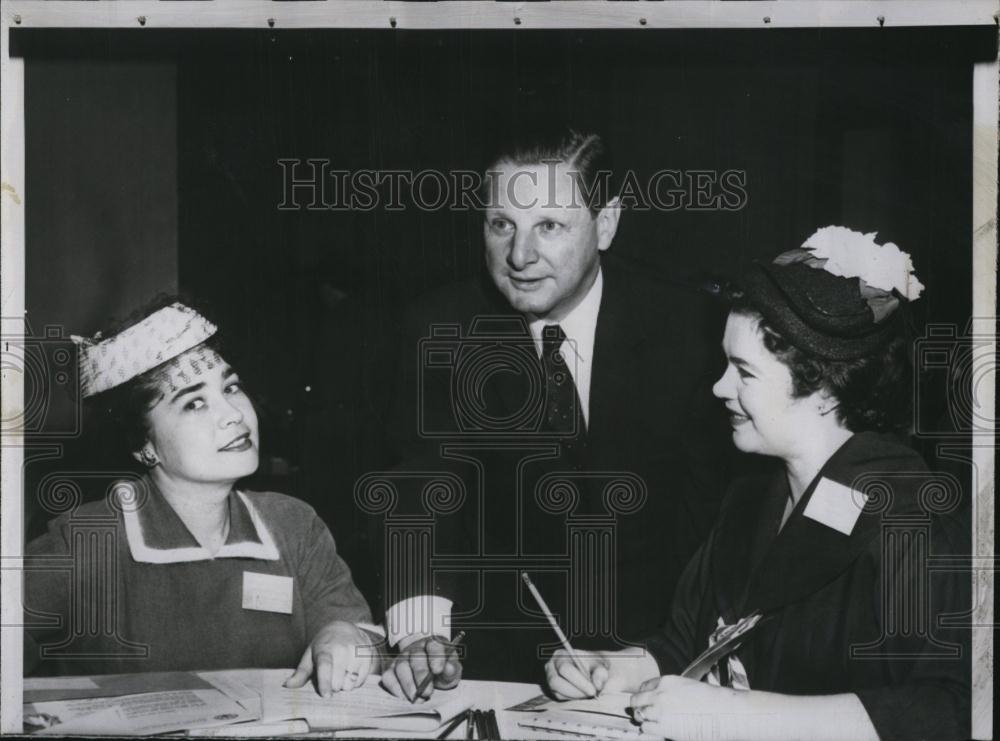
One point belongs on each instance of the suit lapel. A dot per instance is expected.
(509, 391)
(619, 342)
(745, 534)
(807, 555)
(524, 378)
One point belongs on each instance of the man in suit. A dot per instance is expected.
(563, 396)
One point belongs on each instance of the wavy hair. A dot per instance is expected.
(873, 392)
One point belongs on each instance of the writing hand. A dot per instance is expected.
(433, 656)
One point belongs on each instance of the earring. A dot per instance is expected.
(148, 458)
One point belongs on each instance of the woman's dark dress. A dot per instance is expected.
(857, 613)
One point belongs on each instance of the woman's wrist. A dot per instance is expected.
(377, 646)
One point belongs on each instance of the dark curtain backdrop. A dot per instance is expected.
(865, 128)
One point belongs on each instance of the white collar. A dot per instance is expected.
(156, 534)
(579, 326)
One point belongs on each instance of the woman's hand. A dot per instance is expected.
(678, 708)
(604, 671)
(427, 655)
(341, 656)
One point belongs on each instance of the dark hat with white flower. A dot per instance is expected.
(838, 296)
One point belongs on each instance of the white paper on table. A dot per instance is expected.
(369, 706)
(230, 684)
(614, 704)
(45, 689)
(604, 716)
(578, 725)
(253, 729)
(607, 703)
(143, 714)
(59, 684)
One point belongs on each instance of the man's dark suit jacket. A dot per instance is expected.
(649, 476)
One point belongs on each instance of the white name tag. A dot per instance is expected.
(835, 505)
(267, 592)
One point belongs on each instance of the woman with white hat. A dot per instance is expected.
(178, 569)
(824, 562)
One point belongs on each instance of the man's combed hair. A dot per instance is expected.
(873, 392)
(586, 155)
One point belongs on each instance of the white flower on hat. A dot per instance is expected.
(851, 254)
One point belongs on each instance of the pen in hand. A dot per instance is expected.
(555, 626)
(422, 687)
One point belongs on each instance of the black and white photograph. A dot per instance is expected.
(491, 370)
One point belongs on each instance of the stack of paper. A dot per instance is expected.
(605, 716)
(129, 704)
(369, 706)
(245, 702)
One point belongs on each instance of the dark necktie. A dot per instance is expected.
(563, 413)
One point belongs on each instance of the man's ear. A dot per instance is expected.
(607, 223)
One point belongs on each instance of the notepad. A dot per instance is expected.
(253, 729)
(605, 716)
(573, 724)
(369, 706)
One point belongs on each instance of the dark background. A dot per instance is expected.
(151, 166)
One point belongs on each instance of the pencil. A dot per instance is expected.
(455, 723)
(428, 677)
(555, 626)
(491, 716)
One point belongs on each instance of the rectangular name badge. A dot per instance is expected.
(835, 505)
(267, 592)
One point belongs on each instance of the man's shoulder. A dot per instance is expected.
(654, 289)
(679, 314)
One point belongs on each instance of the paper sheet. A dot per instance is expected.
(144, 714)
(40, 689)
(608, 703)
(613, 704)
(369, 706)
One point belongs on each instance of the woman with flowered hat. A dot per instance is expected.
(822, 565)
(178, 569)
